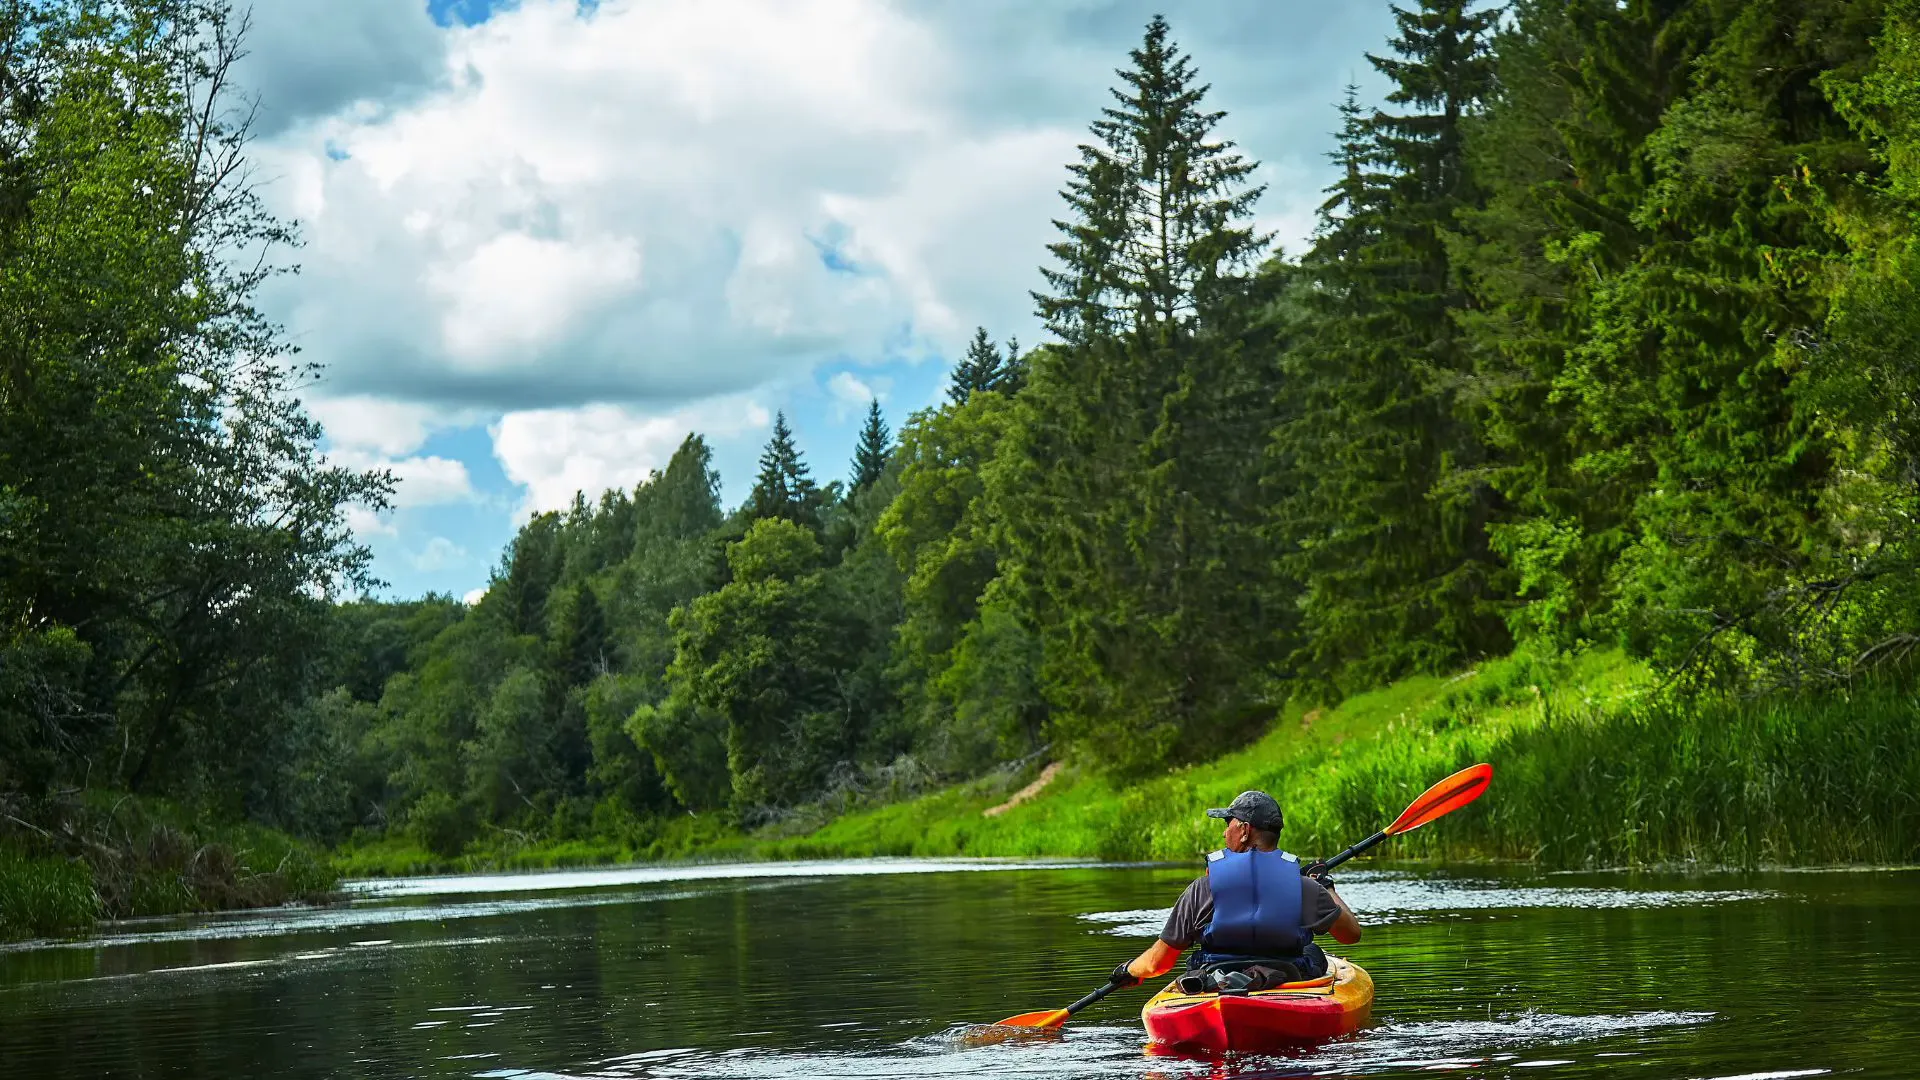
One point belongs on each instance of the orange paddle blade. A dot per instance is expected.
(1045, 1019)
(1444, 798)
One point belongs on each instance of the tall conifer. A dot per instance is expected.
(982, 368)
(1386, 504)
(871, 453)
(784, 488)
(1132, 490)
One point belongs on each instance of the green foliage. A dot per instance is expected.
(983, 368)
(1592, 769)
(970, 677)
(763, 653)
(166, 527)
(1384, 504)
(114, 855)
(440, 823)
(689, 747)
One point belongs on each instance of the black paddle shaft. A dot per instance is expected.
(1356, 849)
(1091, 998)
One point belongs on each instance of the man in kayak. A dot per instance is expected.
(1254, 907)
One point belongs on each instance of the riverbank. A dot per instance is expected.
(1594, 768)
(66, 864)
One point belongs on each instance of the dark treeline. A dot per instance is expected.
(1605, 338)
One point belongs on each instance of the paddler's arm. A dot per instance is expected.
(1346, 928)
(1156, 960)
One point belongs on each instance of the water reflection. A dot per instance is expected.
(863, 971)
(600, 878)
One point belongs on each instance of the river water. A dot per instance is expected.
(876, 969)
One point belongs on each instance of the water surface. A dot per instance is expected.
(875, 969)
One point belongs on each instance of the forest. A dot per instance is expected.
(1603, 343)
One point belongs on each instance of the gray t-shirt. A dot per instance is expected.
(1188, 922)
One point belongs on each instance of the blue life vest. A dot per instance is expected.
(1256, 907)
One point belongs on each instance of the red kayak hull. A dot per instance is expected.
(1269, 1019)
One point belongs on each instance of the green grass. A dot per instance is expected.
(113, 856)
(1592, 768)
(706, 837)
(1303, 760)
(42, 897)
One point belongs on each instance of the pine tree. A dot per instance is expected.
(1385, 507)
(582, 643)
(875, 446)
(1160, 210)
(529, 570)
(1556, 225)
(1014, 377)
(1688, 371)
(1132, 491)
(980, 369)
(784, 489)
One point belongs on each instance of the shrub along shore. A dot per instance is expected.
(1594, 767)
(109, 856)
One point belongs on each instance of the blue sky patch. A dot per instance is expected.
(831, 245)
(464, 12)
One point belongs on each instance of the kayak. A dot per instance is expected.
(1323, 1008)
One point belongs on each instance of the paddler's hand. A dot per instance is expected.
(1318, 872)
(1123, 977)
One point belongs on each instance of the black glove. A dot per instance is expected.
(1122, 977)
(1318, 872)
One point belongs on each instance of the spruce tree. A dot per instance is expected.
(1132, 490)
(980, 369)
(1556, 226)
(871, 453)
(1014, 376)
(784, 488)
(1385, 505)
(1689, 370)
(1160, 211)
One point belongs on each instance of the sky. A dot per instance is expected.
(544, 240)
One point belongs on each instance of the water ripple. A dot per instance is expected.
(1382, 899)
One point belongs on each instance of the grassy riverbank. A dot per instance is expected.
(65, 865)
(1594, 768)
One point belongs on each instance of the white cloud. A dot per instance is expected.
(557, 452)
(365, 523)
(371, 433)
(474, 596)
(642, 204)
(439, 554)
(307, 58)
(516, 292)
(850, 394)
(389, 428)
(429, 481)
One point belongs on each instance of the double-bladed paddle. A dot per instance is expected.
(1437, 801)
